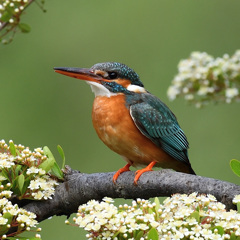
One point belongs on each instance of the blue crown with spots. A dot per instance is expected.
(122, 71)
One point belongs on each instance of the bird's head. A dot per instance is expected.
(107, 79)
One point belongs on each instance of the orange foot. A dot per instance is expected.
(121, 170)
(138, 173)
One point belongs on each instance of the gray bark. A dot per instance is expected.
(78, 188)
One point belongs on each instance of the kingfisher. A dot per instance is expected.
(131, 121)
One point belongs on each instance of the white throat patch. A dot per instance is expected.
(135, 88)
(99, 90)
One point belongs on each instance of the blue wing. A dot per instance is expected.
(156, 121)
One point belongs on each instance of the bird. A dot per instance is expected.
(131, 121)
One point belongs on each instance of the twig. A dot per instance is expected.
(5, 24)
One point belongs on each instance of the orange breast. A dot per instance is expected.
(115, 127)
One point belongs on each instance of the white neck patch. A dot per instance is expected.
(99, 90)
(135, 88)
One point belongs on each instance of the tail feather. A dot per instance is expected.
(191, 171)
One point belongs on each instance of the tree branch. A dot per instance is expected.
(78, 188)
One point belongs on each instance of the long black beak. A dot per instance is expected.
(80, 73)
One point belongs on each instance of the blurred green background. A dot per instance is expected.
(40, 107)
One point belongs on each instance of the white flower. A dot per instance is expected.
(202, 79)
(107, 235)
(96, 227)
(122, 229)
(3, 202)
(154, 224)
(231, 92)
(32, 170)
(191, 221)
(37, 235)
(41, 172)
(108, 200)
(206, 233)
(6, 194)
(6, 161)
(2, 178)
(34, 184)
(38, 150)
(174, 221)
(236, 199)
(38, 195)
(3, 221)
(143, 226)
(173, 92)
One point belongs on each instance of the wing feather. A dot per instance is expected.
(156, 121)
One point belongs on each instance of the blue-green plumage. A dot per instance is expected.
(155, 120)
(116, 88)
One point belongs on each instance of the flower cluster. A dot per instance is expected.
(24, 172)
(10, 9)
(179, 217)
(10, 15)
(202, 79)
(11, 216)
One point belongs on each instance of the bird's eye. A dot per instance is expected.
(112, 75)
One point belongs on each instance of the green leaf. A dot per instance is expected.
(238, 207)
(61, 152)
(26, 184)
(195, 215)
(233, 236)
(14, 184)
(21, 179)
(235, 166)
(4, 229)
(219, 228)
(25, 28)
(152, 234)
(150, 211)
(8, 216)
(139, 235)
(115, 235)
(4, 173)
(17, 152)
(17, 169)
(12, 149)
(47, 164)
(6, 16)
(157, 202)
(157, 207)
(205, 209)
(57, 171)
(2, 178)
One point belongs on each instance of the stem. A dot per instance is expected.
(40, 6)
